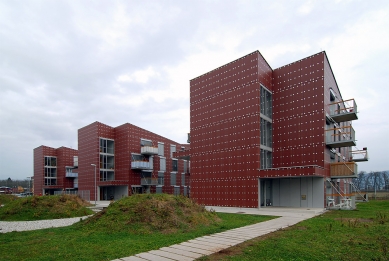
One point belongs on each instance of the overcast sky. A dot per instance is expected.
(66, 64)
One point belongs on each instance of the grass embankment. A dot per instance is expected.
(361, 234)
(6, 198)
(129, 226)
(44, 207)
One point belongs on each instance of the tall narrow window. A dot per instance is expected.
(161, 148)
(172, 149)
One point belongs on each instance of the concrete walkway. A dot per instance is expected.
(207, 245)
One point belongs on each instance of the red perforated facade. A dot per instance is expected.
(234, 163)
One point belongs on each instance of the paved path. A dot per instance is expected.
(207, 245)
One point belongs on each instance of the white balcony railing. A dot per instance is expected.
(344, 110)
(141, 165)
(148, 150)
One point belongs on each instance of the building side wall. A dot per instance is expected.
(88, 149)
(225, 118)
(39, 167)
(298, 113)
(65, 158)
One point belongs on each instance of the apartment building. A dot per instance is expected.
(113, 162)
(271, 137)
(55, 170)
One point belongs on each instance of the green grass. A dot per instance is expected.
(4, 199)
(45, 207)
(361, 234)
(76, 243)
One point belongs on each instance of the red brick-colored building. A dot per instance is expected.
(128, 160)
(279, 137)
(53, 169)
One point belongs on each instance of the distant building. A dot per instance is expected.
(258, 137)
(128, 160)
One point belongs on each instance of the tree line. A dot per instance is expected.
(15, 183)
(372, 181)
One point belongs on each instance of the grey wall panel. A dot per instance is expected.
(295, 196)
(276, 192)
(284, 192)
(309, 192)
(318, 192)
(304, 192)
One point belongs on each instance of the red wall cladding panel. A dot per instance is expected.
(225, 130)
(298, 113)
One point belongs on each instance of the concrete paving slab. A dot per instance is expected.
(212, 249)
(152, 257)
(214, 240)
(207, 243)
(171, 256)
(181, 252)
(192, 249)
(223, 239)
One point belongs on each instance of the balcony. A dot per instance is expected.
(149, 181)
(340, 170)
(141, 165)
(71, 175)
(340, 137)
(359, 155)
(343, 111)
(148, 150)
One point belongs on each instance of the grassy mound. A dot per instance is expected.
(45, 207)
(4, 199)
(148, 213)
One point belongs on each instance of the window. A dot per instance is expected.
(161, 148)
(172, 149)
(161, 178)
(162, 164)
(173, 178)
(50, 161)
(332, 95)
(174, 165)
(266, 159)
(107, 175)
(266, 102)
(185, 166)
(266, 133)
(144, 142)
(176, 190)
(183, 179)
(107, 146)
(106, 161)
(158, 190)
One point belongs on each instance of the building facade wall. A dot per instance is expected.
(64, 158)
(225, 121)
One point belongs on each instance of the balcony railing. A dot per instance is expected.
(141, 165)
(344, 170)
(340, 137)
(344, 111)
(148, 150)
(359, 155)
(149, 181)
(71, 175)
